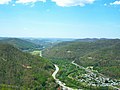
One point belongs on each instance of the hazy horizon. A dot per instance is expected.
(57, 37)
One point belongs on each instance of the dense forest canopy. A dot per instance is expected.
(24, 71)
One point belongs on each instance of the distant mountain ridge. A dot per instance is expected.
(47, 42)
(20, 43)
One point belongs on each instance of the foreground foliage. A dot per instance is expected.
(23, 71)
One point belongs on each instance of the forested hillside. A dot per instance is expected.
(22, 71)
(19, 43)
(106, 60)
(76, 49)
(104, 54)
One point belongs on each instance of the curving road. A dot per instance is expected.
(55, 72)
(58, 81)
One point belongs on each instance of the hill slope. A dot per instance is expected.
(19, 43)
(23, 71)
(106, 60)
(75, 49)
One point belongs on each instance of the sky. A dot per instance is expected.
(60, 18)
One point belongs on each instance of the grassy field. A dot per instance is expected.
(36, 52)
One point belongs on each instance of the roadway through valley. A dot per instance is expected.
(63, 85)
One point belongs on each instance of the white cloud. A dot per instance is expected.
(13, 5)
(67, 3)
(115, 3)
(105, 4)
(63, 3)
(4, 1)
(29, 1)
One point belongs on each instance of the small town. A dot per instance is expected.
(94, 78)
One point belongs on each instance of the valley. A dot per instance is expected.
(67, 65)
(59, 44)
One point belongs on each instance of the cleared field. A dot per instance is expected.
(36, 52)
